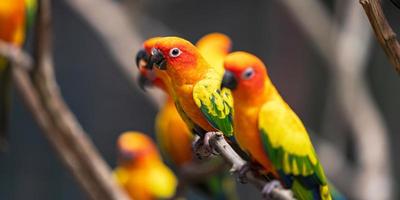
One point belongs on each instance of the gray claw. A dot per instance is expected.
(268, 188)
(202, 147)
(242, 173)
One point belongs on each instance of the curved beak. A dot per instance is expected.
(143, 82)
(127, 156)
(157, 59)
(141, 57)
(229, 80)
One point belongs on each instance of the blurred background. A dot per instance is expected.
(347, 97)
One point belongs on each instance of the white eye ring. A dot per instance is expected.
(248, 73)
(175, 52)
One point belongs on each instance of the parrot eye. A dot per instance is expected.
(248, 73)
(175, 52)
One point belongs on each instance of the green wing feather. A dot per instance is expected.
(289, 147)
(215, 104)
(31, 10)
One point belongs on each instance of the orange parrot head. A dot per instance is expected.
(245, 74)
(179, 58)
(135, 148)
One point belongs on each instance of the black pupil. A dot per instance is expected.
(175, 52)
(249, 73)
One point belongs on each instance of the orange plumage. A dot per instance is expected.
(12, 21)
(169, 125)
(141, 171)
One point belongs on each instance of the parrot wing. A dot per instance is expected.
(215, 104)
(289, 147)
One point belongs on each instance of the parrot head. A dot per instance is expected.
(245, 74)
(135, 147)
(176, 55)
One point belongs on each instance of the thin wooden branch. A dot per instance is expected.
(13, 53)
(71, 153)
(383, 32)
(57, 122)
(219, 144)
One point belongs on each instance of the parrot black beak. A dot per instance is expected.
(157, 58)
(127, 156)
(143, 82)
(229, 81)
(142, 56)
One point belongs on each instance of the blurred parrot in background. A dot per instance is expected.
(270, 132)
(140, 169)
(170, 127)
(16, 16)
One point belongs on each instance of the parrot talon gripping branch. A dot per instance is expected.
(218, 142)
(201, 146)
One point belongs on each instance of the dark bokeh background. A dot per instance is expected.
(106, 103)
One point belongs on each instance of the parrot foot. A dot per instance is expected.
(268, 188)
(202, 146)
(242, 172)
(249, 166)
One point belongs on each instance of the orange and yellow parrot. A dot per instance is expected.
(15, 18)
(269, 131)
(170, 127)
(140, 169)
(195, 86)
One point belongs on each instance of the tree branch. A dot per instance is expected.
(59, 125)
(383, 32)
(219, 144)
(20, 58)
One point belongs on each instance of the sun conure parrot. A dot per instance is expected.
(214, 47)
(269, 131)
(170, 127)
(195, 86)
(15, 18)
(140, 171)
